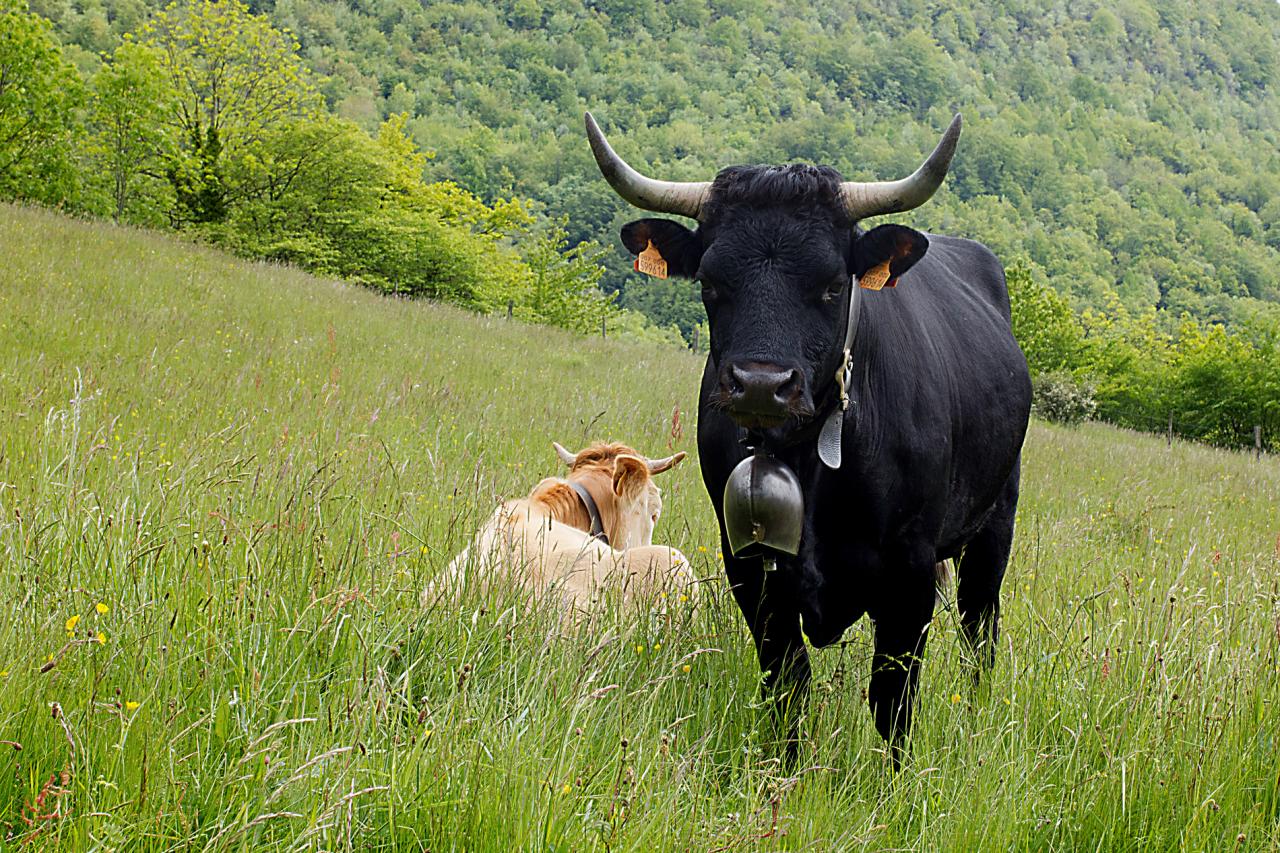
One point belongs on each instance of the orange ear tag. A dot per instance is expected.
(651, 262)
(875, 278)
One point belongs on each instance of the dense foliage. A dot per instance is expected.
(206, 119)
(1129, 150)
(38, 98)
(1198, 381)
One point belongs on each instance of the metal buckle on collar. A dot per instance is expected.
(843, 374)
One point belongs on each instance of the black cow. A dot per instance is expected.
(938, 401)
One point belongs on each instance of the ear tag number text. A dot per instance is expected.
(651, 262)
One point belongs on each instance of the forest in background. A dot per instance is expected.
(204, 119)
(1122, 159)
(1127, 148)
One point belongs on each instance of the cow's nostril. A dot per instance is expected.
(736, 381)
(790, 387)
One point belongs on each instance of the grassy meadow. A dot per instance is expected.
(223, 486)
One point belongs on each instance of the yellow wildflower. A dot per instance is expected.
(955, 697)
(71, 624)
(102, 639)
(101, 608)
(685, 668)
(132, 706)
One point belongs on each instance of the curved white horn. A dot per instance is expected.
(878, 198)
(657, 466)
(565, 456)
(682, 199)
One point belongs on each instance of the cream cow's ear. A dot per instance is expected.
(565, 456)
(630, 475)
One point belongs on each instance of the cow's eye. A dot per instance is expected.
(709, 290)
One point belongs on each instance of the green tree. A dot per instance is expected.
(39, 94)
(236, 79)
(1048, 332)
(563, 282)
(334, 199)
(129, 142)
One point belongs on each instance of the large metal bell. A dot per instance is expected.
(763, 507)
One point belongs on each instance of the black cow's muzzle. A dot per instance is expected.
(760, 395)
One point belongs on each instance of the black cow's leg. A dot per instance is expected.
(774, 621)
(981, 572)
(900, 634)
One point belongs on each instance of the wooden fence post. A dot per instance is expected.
(696, 329)
(511, 306)
(603, 334)
(1169, 435)
(1257, 441)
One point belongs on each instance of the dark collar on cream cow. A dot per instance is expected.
(593, 511)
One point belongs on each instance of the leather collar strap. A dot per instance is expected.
(589, 504)
(829, 439)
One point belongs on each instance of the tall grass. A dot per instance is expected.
(254, 473)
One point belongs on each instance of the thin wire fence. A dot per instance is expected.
(1217, 429)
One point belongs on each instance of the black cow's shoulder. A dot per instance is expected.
(969, 265)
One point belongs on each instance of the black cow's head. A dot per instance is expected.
(775, 249)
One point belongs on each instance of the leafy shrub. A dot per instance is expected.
(1062, 398)
(1046, 328)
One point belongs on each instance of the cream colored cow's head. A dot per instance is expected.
(631, 501)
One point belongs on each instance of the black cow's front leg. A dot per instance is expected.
(770, 610)
(901, 629)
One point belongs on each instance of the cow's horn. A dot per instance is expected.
(683, 199)
(876, 199)
(566, 456)
(657, 466)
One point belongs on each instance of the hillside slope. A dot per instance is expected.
(223, 486)
(1128, 149)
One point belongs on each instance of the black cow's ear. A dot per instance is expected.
(883, 254)
(663, 247)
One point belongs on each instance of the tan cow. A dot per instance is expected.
(579, 536)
